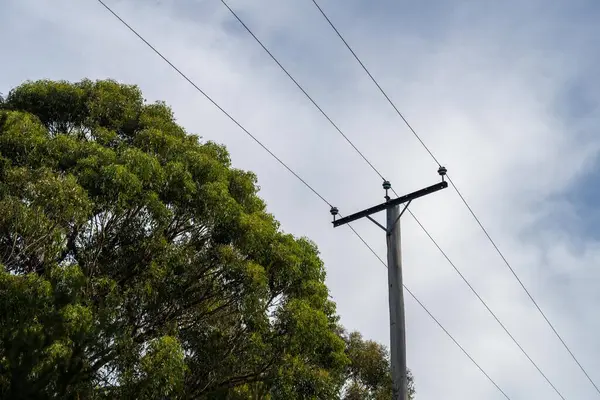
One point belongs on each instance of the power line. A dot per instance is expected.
(489, 310)
(303, 91)
(211, 100)
(432, 317)
(295, 175)
(411, 213)
(525, 289)
(374, 81)
(459, 194)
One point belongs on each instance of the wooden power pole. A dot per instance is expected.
(394, 259)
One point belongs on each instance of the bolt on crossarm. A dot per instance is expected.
(394, 258)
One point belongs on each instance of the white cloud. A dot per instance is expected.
(483, 88)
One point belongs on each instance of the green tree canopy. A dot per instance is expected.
(137, 263)
(368, 373)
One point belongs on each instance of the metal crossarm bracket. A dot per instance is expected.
(375, 222)
(398, 219)
(395, 222)
(400, 200)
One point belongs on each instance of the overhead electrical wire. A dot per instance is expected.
(431, 315)
(411, 213)
(303, 91)
(130, 28)
(463, 199)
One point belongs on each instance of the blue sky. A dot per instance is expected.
(506, 94)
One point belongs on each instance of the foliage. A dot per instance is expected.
(368, 374)
(138, 263)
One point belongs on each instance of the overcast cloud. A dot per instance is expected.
(504, 93)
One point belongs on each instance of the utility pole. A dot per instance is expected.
(394, 259)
